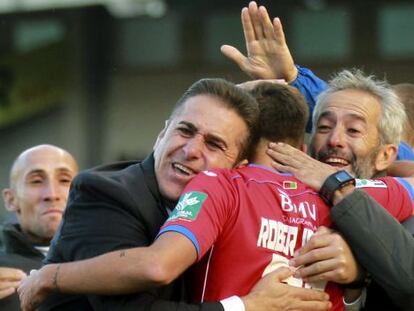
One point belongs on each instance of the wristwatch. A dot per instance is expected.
(335, 182)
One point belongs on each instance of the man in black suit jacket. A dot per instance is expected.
(124, 205)
(269, 58)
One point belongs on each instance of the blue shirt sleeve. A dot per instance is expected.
(405, 152)
(310, 86)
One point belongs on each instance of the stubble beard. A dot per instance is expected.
(360, 168)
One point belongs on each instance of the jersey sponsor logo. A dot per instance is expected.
(299, 221)
(208, 173)
(369, 183)
(304, 208)
(188, 206)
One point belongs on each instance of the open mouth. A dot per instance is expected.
(338, 162)
(181, 169)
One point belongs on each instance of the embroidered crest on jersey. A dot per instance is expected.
(290, 185)
(369, 183)
(188, 206)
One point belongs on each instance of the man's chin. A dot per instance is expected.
(171, 194)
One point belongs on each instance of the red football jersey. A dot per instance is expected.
(247, 222)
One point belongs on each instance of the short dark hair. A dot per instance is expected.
(283, 114)
(233, 97)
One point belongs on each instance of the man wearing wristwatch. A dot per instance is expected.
(246, 222)
(123, 205)
(269, 58)
(344, 138)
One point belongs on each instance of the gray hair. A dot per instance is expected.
(392, 120)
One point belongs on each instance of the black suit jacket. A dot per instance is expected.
(382, 246)
(109, 208)
(18, 253)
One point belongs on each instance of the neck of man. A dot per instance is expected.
(260, 156)
(35, 239)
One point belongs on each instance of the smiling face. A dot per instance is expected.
(346, 133)
(203, 134)
(40, 181)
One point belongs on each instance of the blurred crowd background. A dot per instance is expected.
(98, 77)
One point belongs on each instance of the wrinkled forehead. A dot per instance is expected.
(350, 103)
(42, 161)
(208, 110)
(212, 117)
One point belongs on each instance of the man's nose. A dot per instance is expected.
(337, 137)
(51, 191)
(193, 148)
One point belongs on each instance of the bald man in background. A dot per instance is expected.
(39, 185)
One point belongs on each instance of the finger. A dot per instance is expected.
(312, 305)
(306, 294)
(281, 273)
(267, 25)
(7, 292)
(250, 85)
(317, 271)
(9, 284)
(283, 148)
(278, 31)
(11, 274)
(309, 252)
(234, 55)
(289, 164)
(331, 275)
(248, 29)
(255, 20)
(323, 230)
(282, 168)
(283, 161)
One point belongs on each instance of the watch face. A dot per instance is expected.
(342, 176)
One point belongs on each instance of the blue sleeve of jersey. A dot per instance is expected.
(184, 231)
(310, 86)
(405, 152)
(407, 186)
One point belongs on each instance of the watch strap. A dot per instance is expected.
(335, 182)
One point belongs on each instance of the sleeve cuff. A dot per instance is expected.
(357, 304)
(233, 303)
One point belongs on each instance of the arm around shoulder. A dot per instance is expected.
(379, 242)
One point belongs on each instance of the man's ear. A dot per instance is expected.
(9, 199)
(385, 157)
(161, 134)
